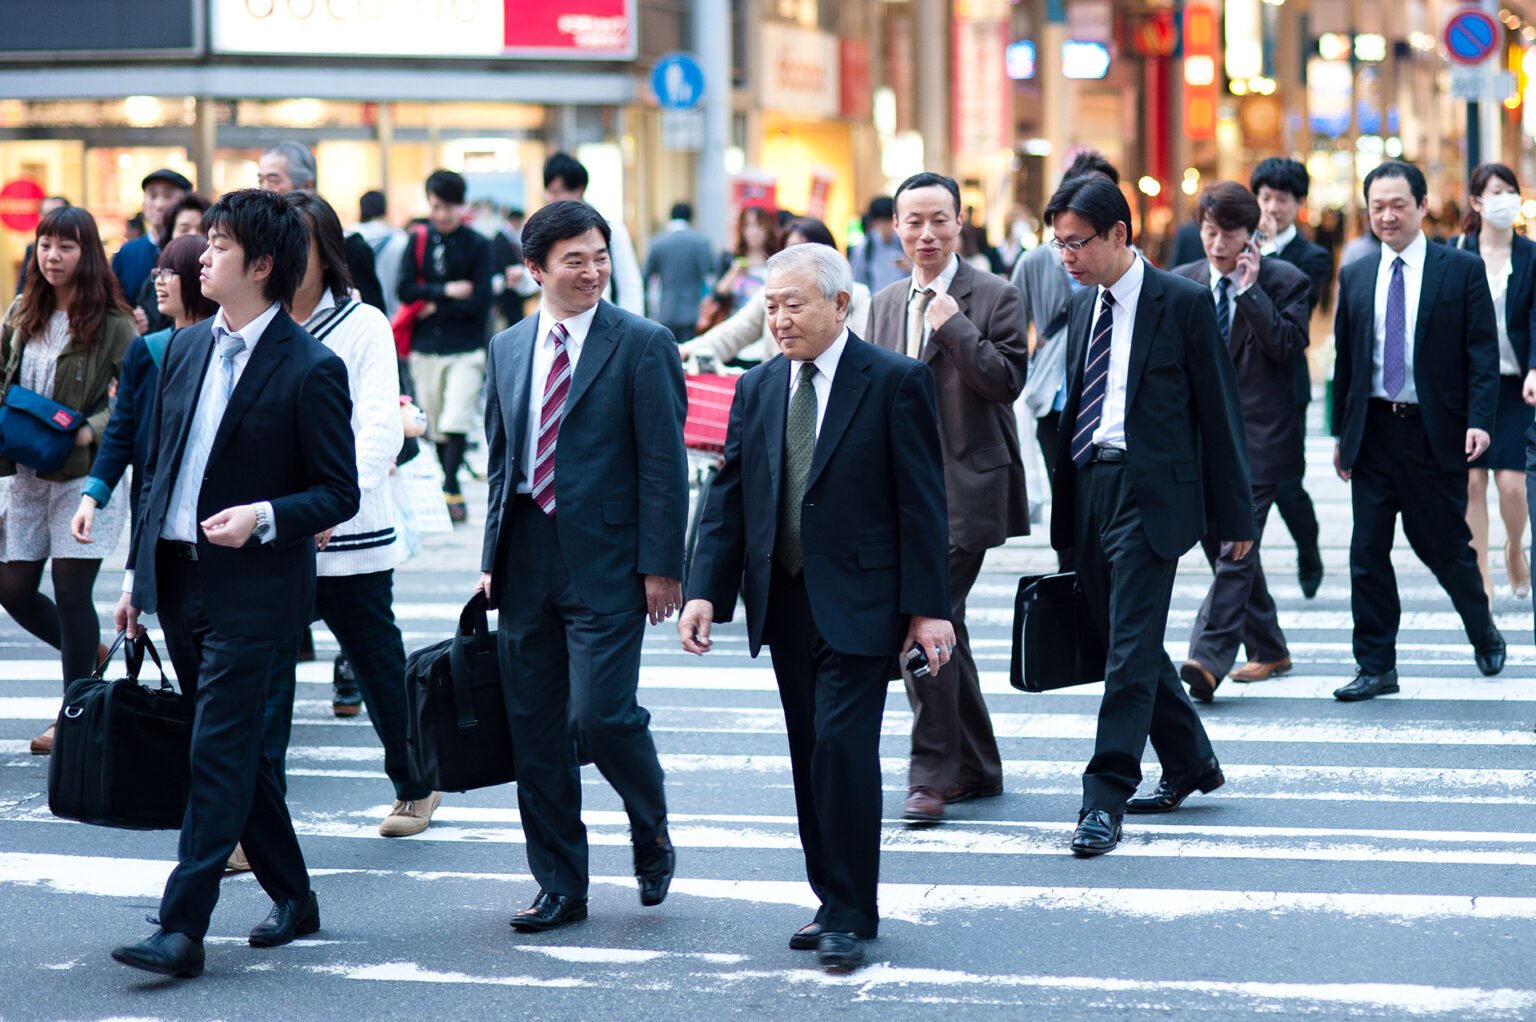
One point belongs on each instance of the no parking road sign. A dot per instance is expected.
(1471, 36)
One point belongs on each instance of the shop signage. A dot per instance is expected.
(1092, 21)
(856, 94)
(1083, 59)
(1020, 60)
(800, 73)
(678, 82)
(1471, 36)
(981, 112)
(574, 29)
(21, 204)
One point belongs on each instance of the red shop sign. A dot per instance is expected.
(571, 28)
(21, 204)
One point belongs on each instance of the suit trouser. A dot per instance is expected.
(562, 662)
(1396, 473)
(235, 794)
(1238, 609)
(952, 740)
(1129, 587)
(359, 611)
(833, 705)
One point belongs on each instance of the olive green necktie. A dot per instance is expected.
(799, 448)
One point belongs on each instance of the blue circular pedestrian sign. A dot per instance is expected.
(678, 81)
(1471, 36)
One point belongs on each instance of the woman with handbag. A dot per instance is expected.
(62, 345)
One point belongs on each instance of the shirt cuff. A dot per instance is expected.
(266, 505)
(128, 581)
(97, 490)
(1244, 290)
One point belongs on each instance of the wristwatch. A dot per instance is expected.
(263, 523)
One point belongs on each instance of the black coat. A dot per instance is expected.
(873, 523)
(1520, 300)
(1455, 353)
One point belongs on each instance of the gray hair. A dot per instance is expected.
(301, 163)
(826, 266)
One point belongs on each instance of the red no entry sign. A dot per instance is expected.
(21, 204)
(1471, 36)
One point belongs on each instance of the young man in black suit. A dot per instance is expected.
(251, 457)
(1281, 187)
(583, 540)
(1415, 388)
(1151, 445)
(831, 500)
(1261, 309)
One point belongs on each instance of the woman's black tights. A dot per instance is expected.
(71, 625)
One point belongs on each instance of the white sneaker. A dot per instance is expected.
(237, 863)
(407, 818)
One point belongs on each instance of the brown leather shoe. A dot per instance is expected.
(1202, 683)
(42, 745)
(966, 792)
(1256, 670)
(923, 806)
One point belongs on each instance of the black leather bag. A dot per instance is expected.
(1054, 642)
(457, 735)
(121, 750)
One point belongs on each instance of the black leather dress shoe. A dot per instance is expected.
(1098, 831)
(1367, 686)
(1170, 794)
(807, 938)
(549, 911)
(1490, 655)
(169, 954)
(654, 865)
(1309, 571)
(287, 920)
(840, 952)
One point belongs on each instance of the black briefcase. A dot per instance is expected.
(121, 750)
(457, 735)
(1054, 641)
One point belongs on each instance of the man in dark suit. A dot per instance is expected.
(1261, 309)
(1415, 387)
(583, 538)
(968, 328)
(831, 500)
(251, 458)
(1281, 187)
(1151, 451)
(682, 261)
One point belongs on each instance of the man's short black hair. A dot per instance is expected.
(1281, 175)
(263, 224)
(370, 206)
(1398, 168)
(566, 169)
(557, 222)
(881, 207)
(1096, 199)
(448, 186)
(927, 179)
(1230, 206)
(1091, 161)
(682, 211)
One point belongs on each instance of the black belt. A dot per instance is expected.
(180, 551)
(1111, 455)
(1401, 409)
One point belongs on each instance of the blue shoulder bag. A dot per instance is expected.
(35, 431)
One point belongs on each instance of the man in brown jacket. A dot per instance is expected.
(968, 327)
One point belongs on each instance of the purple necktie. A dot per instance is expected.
(1394, 351)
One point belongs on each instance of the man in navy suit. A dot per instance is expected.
(1415, 388)
(831, 501)
(583, 540)
(251, 457)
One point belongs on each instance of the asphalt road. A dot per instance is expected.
(1363, 861)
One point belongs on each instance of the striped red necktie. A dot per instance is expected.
(556, 386)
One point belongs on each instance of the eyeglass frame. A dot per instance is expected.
(157, 274)
(1075, 245)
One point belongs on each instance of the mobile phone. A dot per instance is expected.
(916, 662)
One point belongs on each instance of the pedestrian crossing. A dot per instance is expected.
(1373, 860)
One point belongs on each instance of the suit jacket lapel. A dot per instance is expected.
(775, 398)
(268, 354)
(1149, 310)
(1364, 297)
(516, 375)
(960, 291)
(181, 407)
(601, 342)
(1429, 289)
(1079, 323)
(848, 388)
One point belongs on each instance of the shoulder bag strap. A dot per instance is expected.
(421, 255)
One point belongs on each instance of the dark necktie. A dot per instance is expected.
(556, 386)
(799, 448)
(1223, 310)
(1090, 410)
(1394, 350)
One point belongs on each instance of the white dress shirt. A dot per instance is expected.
(1413, 284)
(1276, 245)
(939, 286)
(576, 330)
(1126, 292)
(1232, 292)
(826, 368)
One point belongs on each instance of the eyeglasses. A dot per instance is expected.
(1076, 245)
(158, 275)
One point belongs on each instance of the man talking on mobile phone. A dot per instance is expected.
(831, 501)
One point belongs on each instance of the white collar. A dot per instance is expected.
(1216, 276)
(826, 362)
(940, 284)
(1284, 238)
(1413, 255)
(576, 328)
(1128, 286)
(252, 331)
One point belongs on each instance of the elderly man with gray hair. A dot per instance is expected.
(290, 167)
(829, 518)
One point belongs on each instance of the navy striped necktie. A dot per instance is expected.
(1090, 411)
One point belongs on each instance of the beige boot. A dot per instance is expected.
(407, 818)
(237, 863)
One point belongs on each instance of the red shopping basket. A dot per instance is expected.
(709, 411)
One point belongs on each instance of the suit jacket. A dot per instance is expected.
(1455, 353)
(1268, 338)
(1183, 420)
(286, 437)
(621, 473)
(685, 260)
(1520, 300)
(979, 360)
(1316, 262)
(872, 527)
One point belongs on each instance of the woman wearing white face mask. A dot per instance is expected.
(1510, 259)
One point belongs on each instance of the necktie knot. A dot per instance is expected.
(807, 371)
(230, 344)
(559, 335)
(1221, 286)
